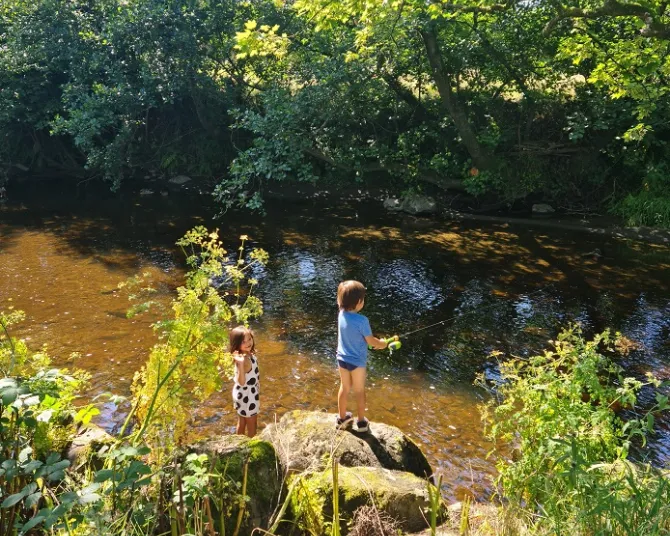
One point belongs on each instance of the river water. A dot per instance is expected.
(501, 287)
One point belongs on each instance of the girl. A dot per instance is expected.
(246, 390)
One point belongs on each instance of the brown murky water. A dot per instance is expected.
(505, 288)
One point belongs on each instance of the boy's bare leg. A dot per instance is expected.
(251, 425)
(358, 385)
(343, 393)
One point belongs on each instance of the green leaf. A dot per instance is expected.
(85, 414)
(34, 522)
(33, 499)
(12, 500)
(103, 475)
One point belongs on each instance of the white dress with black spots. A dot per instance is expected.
(246, 397)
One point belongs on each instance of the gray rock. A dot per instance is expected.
(307, 440)
(418, 204)
(401, 495)
(392, 203)
(415, 204)
(179, 179)
(85, 445)
(543, 208)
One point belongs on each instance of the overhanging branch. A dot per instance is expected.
(613, 8)
(458, 8)
(425, 175)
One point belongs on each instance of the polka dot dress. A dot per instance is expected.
(245, 397)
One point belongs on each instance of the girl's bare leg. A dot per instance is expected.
(251, 425)
(343, 393)
(358, 384)
(240, 425)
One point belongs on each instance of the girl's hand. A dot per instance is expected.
(239, 359)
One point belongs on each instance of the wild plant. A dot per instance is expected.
(36, 415)
(191, 360)
(570, 470)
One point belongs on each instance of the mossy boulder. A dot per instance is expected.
(401, 495)
(228, 455)
(307, 440)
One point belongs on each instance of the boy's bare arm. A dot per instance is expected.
(376, 343)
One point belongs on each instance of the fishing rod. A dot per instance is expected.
(394, 341)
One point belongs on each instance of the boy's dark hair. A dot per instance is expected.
(236, 338)
(349, 293)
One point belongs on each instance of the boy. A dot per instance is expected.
(353, 337)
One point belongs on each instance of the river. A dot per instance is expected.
(498, 287)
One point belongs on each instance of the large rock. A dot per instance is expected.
(542, 209)
(415, 204)
(401, 495)
(179, 180)
(229, 454)
(419, 204)
(308, 440)
(85, 445)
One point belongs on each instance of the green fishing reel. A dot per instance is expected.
(392, 343)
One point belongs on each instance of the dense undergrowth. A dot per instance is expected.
(507, 103)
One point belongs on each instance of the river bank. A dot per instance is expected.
(453, 208)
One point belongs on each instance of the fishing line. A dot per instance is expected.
(404, 335)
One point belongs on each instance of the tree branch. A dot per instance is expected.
(613, 8)
(425, 175)
(457, 8)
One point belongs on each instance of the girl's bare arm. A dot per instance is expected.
(240, 374)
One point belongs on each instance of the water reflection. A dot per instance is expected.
(493, 287)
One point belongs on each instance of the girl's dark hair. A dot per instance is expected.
(349, 294)
(236, 338)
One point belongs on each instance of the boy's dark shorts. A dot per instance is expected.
(346, 366)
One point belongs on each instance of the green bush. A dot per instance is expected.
(569, 470)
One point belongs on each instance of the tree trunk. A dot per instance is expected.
(481, 157)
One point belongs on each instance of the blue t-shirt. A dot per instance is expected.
(352, 328)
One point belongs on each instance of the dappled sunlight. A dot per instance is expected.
(375, 233)
(475, 245)
(294, 238)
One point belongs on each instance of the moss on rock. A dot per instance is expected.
(229, 454)
(401, 495)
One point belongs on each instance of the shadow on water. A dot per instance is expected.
(502, 287)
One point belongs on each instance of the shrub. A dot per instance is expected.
(570, 469)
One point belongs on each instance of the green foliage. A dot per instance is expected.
(563, 102)
(651, 205)
(308, 505)
(115, 86)
(570, 469)
(36, 409)
(192, 359)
